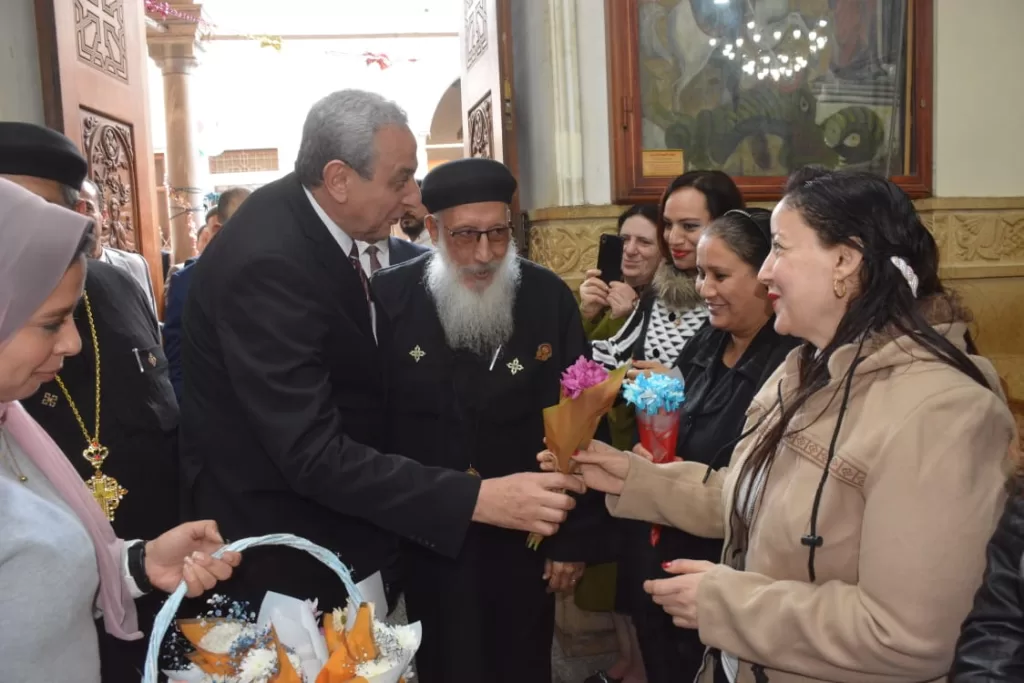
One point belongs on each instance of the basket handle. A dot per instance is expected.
(167, 612)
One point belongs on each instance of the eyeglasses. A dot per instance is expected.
(499, 234)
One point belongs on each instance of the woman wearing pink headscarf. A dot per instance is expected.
(59, 558)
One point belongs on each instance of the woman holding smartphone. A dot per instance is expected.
(604, 304)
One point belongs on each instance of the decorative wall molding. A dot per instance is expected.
(475, 16)
(99, 36)
(108, 147)
(481, 129)
(977, 237)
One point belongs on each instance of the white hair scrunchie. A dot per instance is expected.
(907, 272)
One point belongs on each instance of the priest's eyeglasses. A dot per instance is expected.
(499, 234)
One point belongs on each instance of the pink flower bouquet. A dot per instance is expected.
(588, 392)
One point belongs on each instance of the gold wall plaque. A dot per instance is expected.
(663, 163)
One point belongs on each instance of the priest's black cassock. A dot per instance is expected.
(486, 614)
(138, 424)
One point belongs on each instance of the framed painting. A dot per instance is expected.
(759, 88)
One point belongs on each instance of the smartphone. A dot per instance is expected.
(609, 258)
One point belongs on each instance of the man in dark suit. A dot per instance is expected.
(285, 410)
(178, 284)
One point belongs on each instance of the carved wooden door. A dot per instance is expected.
(487, 82)
(92, 54)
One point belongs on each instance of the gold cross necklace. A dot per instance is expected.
(105, 489)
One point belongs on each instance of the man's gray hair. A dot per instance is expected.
(69, 196)
(342, 127)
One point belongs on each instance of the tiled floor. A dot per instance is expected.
(576, 669)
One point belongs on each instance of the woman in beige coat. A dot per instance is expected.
(857, 504)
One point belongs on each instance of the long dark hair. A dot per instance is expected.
(872, 215)
(720, 194)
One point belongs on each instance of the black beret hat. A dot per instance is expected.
(467, 181)
(28, 149)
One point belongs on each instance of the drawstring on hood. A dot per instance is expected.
(813, 540)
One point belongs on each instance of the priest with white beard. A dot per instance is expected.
(480, 339)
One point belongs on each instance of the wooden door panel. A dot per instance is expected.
(487, 81)
(108, 145)
(487, 114)
(93, 58)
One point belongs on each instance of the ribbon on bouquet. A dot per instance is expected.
(658, 400)
(659, 434)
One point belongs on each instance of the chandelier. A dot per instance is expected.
(780, 51)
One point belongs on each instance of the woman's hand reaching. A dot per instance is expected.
(647, 367)
(602, 467)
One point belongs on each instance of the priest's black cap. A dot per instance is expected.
(467, 181)
(28, 149)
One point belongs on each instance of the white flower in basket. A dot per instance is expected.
(285, 643)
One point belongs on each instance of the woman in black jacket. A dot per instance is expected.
(723, 366)
(991, 645)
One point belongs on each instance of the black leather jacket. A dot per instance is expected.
(991, 645)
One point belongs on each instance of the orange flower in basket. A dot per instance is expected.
(361, 644)
(348, 649)
(333, 635)
(213, 663)
(227, 663)
(286, 673)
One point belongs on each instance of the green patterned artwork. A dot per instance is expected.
(762, 87)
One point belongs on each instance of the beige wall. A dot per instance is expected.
(21, 95)
(534, 111)
(979, 98)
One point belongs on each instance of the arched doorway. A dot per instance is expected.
(445, 141)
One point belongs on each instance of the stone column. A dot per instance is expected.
(175, 47)
(162, 207)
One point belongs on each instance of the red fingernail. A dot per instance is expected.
(666, 565)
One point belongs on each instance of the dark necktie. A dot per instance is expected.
(353, 257)
(372, 251)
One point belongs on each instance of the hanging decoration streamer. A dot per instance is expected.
(274, 42)
(165, 11)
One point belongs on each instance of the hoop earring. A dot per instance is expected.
(839, 288)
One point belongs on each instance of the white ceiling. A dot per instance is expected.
(333, 16)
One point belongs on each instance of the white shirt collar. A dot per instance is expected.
(339, 235)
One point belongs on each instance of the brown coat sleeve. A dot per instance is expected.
(675, 494)
(672, 494)
(931, 504)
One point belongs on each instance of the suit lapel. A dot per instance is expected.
(340, 278)
(396, 251)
